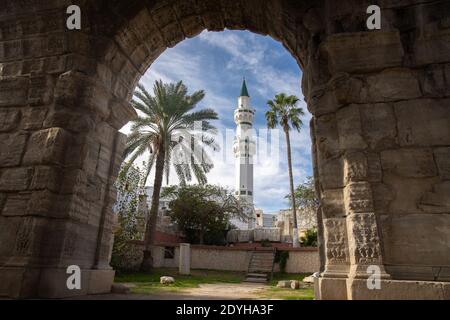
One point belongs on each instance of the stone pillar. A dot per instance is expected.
(59, 156)
(185, 259)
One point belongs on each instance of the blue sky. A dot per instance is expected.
(216, 63)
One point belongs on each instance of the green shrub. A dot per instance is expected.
(281, 257)
(310, 238)
(266, 243)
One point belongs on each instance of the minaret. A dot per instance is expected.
(244, 149)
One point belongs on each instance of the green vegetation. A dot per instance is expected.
(266, 243)
(281, 257)
(148, 283)
(288, 294)
(203, 212)
(305, 194)
(304, 293)
(130, 214)
(170, 131)
(310, 238)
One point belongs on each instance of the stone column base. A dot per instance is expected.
(356, 289)
(18, 282)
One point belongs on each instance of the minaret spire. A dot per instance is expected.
(244, 91)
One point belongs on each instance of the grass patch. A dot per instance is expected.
(306, 293)
(147, 283)
(288, 294)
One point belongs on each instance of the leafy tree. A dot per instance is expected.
(203, 212)
(305, 194)
(285, 112)
(308, 202)
(169, 131)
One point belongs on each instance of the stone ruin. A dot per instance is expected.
(380, 129)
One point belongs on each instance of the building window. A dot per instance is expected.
(242, 192)
(250, 193)
(169, 252)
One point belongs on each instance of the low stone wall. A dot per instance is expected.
(301, 260)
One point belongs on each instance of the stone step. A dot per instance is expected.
(263, 258)
(257, 275)
(259, 269)
(255, 280)
(263, 262)
(267, 265)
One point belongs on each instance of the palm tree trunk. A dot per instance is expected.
(295, 242)
(150, 230)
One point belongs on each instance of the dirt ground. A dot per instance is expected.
(203, 292)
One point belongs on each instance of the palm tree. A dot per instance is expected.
(173, 135)
(284, 111)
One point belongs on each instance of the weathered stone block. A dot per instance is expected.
(404, 230)
(13, 91)
(358, 198)
(431, 46)
(412, 163)
(433, 81)
(15, 179)
(12, 148)
(379, 125)
(382, 196)
(69, 119)
(104, 163)
(393, 85)
(47, 146)
(407, 192)
(423, 122)
(442, 157)
(326, 137)
(42, 203)
(374, 173)
(9, 119)
(340, 90)
(33, 118)
(41, 90)
(2, 201)
(11, 69)
(331, 175)
(333, 203)
(45, 177)
(437, 201)
(364, 51)
(349, 128)
(355, 167)
(16, 204)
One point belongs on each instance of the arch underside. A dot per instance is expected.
(380, 131)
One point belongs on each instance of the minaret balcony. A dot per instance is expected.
(244, 116)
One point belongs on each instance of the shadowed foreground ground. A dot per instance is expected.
(204, 285)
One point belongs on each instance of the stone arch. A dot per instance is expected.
(64, 95)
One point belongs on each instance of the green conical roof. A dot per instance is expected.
(244, 91)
